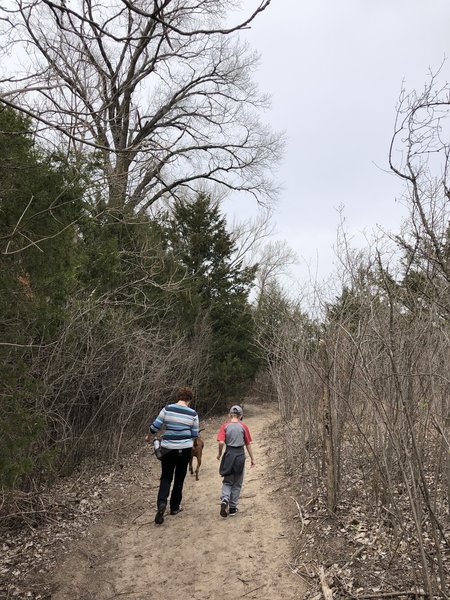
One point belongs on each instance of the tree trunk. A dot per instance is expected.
(327, 433)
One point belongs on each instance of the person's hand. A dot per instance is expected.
(252, 464)
(218, 457)
(148, 437)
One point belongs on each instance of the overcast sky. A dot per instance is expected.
(334, 70)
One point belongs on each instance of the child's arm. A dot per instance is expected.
(221, 438)
(250, 453)
(220, 450)
(248, 440)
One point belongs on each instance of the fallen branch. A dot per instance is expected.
(411, 593)
(326, 590)
(300, 514)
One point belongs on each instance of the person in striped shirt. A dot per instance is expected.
(181, 425)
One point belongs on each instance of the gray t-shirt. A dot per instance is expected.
(234, 435)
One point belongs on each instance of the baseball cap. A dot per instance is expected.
(236, 410)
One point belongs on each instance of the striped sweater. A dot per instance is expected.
(180, 424)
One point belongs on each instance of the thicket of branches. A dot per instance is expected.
(365, 388)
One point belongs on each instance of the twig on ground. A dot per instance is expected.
(410, 593)
(144, 524)
(355, 554)
(144, 592)
(300, 514)
(311, 501)
(107, 512)
(326, 590)
(295, 571)
(139, 515)
(253, 590)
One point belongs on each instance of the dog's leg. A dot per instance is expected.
(199, 462)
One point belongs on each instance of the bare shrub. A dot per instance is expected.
(105, 378)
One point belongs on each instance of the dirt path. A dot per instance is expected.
(196, 555)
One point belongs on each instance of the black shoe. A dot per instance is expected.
(159, 517)
(176, 510)
(233, 510)
(224, 508)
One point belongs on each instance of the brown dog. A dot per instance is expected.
(197, 451)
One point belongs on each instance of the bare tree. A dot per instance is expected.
(274, 261)
(161, 91)
(419, 154)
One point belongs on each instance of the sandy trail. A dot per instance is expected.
(197, 554)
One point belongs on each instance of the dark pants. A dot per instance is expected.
(175, 461)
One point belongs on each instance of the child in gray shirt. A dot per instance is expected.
(236, 436)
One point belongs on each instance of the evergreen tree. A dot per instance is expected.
(40, 201)
(218, 286)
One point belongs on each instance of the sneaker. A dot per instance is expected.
(233, 510)
(224, 508)
(159, 517)
(175, 511)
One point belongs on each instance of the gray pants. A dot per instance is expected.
(231, 488)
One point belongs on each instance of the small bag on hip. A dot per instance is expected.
(158, 449)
